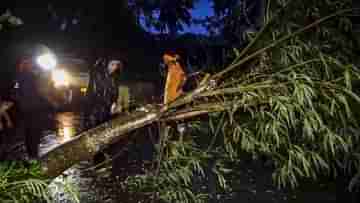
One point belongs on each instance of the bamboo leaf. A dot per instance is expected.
(348, 81)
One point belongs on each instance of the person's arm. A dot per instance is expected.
(9, 123)
(114, 95)
(5, 106)
(90, 88)
(183, 81)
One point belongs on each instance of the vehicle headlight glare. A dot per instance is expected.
(47, 61)
(60, 78)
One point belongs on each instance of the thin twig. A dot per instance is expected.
(289, 36)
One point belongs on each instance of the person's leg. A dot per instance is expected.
(9, 123)
(32, 142)
(105, 113)
(1, 124)
(29, 143)
(33, 136)
(2, 145)
(23, 131)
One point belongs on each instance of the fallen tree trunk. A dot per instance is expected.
(88, 143)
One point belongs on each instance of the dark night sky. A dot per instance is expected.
(201, 10)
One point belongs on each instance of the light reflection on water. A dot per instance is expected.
(67, 126)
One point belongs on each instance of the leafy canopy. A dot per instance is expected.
(289, 95)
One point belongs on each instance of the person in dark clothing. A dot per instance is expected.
(102, 95)
(102, 91)
(32, 107)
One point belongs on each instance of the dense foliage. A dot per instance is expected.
(292, 98)
(7, 19)
(22, 182)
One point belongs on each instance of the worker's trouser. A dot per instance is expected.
(97, 115)
(31, 126)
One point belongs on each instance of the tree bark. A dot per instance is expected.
(87, 144)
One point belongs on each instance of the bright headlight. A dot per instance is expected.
(60, 78)
(47, 61)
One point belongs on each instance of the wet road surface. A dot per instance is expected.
(67, 125)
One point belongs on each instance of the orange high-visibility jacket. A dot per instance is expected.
(175, 78)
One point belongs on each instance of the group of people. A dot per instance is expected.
(102, 95)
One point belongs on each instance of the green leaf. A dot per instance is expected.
(348, 81)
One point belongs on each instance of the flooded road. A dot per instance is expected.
(66, 126)
(91, 185)
(79, 179)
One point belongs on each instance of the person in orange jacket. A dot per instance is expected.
(176, 77)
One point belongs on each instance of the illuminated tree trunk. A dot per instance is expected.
(88, 143)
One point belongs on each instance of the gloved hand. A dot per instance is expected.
(113, 108)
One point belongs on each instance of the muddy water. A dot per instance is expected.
(91, 185)
(67, 126)
(78, 179)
